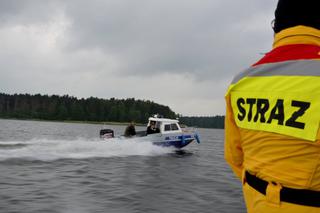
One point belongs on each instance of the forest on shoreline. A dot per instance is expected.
(68, 108)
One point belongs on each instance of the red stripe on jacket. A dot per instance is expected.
(291, 52)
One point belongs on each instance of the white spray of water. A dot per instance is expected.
(49, 150)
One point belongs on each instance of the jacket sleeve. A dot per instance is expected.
(232, 150)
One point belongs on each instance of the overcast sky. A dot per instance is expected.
(180, 53)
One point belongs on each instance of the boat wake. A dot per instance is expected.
(50, 150)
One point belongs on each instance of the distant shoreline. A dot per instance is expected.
(94, 110)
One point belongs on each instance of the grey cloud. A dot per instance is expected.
(28, 12)
(204, 38)
(208, 39)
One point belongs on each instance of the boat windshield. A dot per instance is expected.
(158, 124)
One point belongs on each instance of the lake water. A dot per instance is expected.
(63, 167)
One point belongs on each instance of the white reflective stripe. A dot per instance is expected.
(287, 68)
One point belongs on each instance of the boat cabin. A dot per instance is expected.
(166, 125)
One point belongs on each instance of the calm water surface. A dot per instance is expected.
(62, 167)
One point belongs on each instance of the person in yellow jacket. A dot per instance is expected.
(272, 136)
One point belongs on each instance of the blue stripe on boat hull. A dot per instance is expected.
(177, 143)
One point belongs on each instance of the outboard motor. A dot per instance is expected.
(106, 133)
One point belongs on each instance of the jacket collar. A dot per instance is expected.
(297, 35)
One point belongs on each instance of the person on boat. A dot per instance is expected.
(272, 136)
(151, 129)
(130, 130)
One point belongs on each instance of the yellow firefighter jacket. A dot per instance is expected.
(272, 121)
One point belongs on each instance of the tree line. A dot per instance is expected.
(69, 108)
(54, 107)
(216, 122)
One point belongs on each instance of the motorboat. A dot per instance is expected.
(168, 133)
